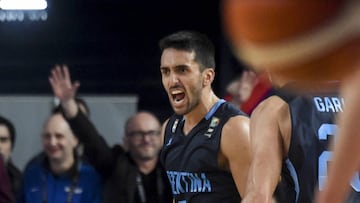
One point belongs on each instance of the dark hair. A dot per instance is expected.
(10, 127)
(191, 41)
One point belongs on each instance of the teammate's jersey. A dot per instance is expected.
(312, 131)
(191, 161)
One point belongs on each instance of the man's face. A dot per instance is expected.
(58, 140)
(5, 143)
(182, 79)
(142, 137)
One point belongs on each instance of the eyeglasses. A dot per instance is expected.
(141, 134)
(4, 139)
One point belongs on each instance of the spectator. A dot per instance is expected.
(7, 144)
(57, 109)
(133, 177)
(6, 195)
(60, 177)
(248, 90)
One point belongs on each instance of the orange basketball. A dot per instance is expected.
(297, 39)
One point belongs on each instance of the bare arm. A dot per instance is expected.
(270, 129)
(64, 89)
(346, 158)
(235, 147)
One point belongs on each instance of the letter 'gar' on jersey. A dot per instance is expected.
(313, 129)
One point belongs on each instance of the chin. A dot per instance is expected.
(181, 110)
(52, 156)
(147, 155)
(178, 110)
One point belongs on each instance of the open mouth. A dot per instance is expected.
(178, 95)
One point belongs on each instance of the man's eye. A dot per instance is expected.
(165, 72)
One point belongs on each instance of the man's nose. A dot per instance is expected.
(174, 79)
(52, 141)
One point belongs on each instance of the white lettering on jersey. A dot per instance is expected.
(329, 104)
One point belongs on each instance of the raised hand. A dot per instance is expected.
(61, 83)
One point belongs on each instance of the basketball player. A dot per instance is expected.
(346, 156)
(206, 147)
(307, 41)
(290, 136)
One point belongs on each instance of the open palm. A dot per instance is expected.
(61, 83)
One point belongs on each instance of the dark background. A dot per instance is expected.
(110, 46)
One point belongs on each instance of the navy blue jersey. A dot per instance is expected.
(312, 130)
(191, 161)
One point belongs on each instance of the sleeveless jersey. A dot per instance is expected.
(191, 161)
(313, 128)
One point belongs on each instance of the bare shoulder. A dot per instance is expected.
(271, 107)
(164, 126)
(271, 118)
(235, 136)
(237, 126)
(272, 111)
(163, 130)
(235, 151)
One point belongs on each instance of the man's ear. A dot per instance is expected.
(75, 141)
(208, 76)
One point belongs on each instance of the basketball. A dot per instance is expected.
(295, 40)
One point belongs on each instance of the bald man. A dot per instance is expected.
(133, 175)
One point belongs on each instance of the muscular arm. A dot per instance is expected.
(346, 156)
(270, 135)
(235, 147)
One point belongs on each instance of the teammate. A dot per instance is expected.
(206, 147)
(307, 41)
(291, 137)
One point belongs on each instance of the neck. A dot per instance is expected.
(61, 166)
(146, 166)
(195, 116)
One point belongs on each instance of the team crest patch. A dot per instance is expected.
(214, 122)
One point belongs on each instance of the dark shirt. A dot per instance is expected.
(15, 176)
(191, 161)
(6, 195)
(313, 128)
(150, 183)
(116, 166)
